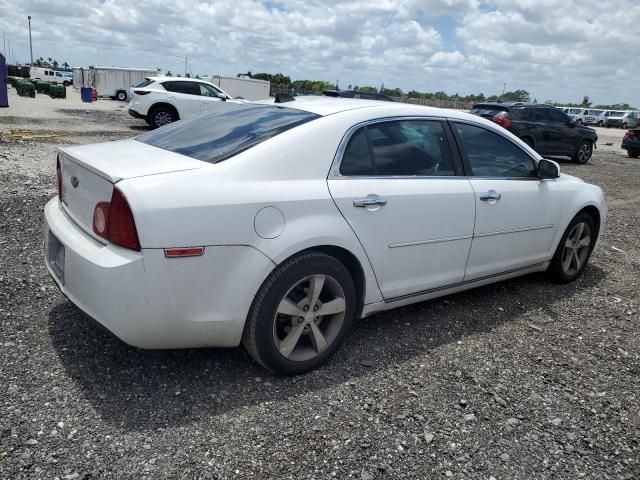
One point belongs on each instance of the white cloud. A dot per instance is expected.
(560, 49)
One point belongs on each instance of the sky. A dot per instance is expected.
(558, 50)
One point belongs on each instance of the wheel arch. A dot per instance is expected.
(167, 105)
(352, 264)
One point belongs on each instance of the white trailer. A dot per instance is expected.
(113, 82)
(242, 87)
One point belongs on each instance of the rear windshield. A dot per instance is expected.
(226, 131)
(143, 83)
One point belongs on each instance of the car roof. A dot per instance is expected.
(176, 79)
(324, 105)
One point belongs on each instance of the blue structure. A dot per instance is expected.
(4, 96)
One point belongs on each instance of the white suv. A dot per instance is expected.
(162, 100)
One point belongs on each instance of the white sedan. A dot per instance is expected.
(277, 225)
(163, 100)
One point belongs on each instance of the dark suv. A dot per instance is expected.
(548, 130)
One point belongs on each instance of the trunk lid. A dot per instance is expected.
(89, 173)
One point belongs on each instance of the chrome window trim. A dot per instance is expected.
(334, 172)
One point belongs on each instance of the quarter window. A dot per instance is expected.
(399, 148)
(492, 155)
(356, 160)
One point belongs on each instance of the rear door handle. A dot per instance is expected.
(369, 201)
(491, 195)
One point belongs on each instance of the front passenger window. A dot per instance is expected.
(492, 155)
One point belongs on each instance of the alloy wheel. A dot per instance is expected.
(162, 118)
(309, 318)
(584, 154)
(576, 248)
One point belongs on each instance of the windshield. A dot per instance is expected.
(617, 114)
(226, 131)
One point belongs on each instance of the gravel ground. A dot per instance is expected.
(519, 380)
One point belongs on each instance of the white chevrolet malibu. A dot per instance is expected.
(277, 225)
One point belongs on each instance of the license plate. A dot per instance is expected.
(55, 256)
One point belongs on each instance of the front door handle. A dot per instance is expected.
(369, 201)
(491, 195)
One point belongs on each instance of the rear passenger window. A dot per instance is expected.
(190, 88)
(557, 116)
(399, 148)
(519, 113)
(491, 155)
(540, 114)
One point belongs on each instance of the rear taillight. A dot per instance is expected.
(630, 133)
(59, 176)
(502, 120)
(114, 222)
(141, 92)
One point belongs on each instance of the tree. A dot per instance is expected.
(65, 65)
(585, 102)
(169, 74)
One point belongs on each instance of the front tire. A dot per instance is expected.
(301, 314)
(583, 153)
(161, 116)
(633, 153)
(574, 250)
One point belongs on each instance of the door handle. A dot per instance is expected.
(369, 201)
(490, 195)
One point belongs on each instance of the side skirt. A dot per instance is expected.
(448, 290)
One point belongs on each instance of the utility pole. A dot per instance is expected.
(30, 44)
(4, 46)
(504, 88)
(185, 66)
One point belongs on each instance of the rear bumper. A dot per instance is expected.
(628, 144)
(149, 301)
(135, 114)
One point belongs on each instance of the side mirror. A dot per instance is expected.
(571, 123)
(548, 170)
(222, 97)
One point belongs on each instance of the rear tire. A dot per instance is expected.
(286, 331)
(161, 116)
(633, 153)
(121, 95)
(574, 250)
(583, 153)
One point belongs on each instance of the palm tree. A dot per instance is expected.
(55, 64)
(65, 65)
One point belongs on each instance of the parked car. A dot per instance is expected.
(50, 75)
(243, 225)
(546, 129)
(163, 100)
(591, 116)
(614, 120)
(631, 143)
(354, 94)
(630, 120)
(577, 114)
(601, 119)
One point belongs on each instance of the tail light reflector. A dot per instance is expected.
(59, 176)
(141, 92)
(502, 120)
(183, 252)
(114, 222)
